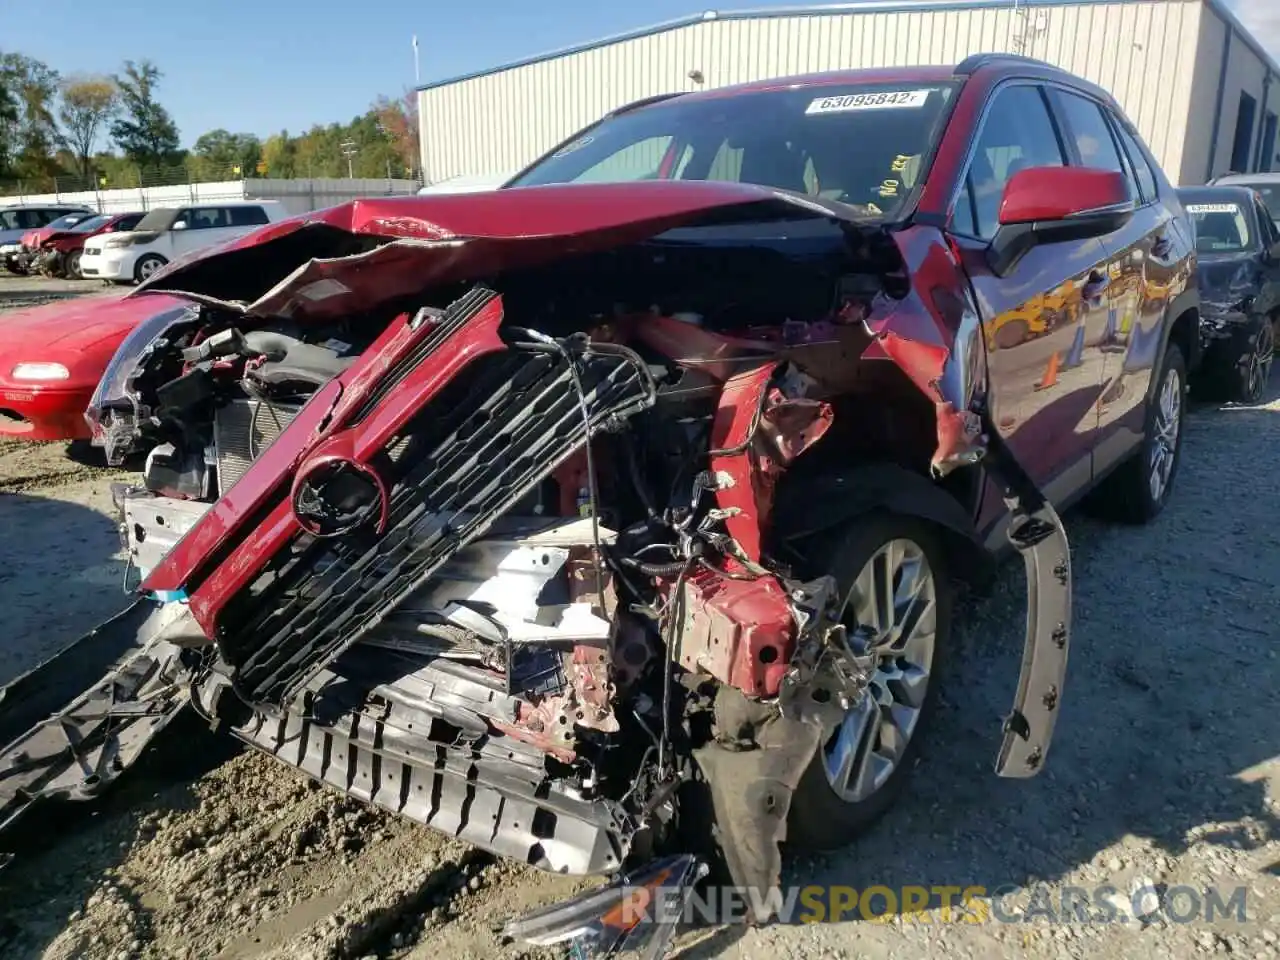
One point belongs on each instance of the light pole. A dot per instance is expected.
(348, 151)
(417, 68)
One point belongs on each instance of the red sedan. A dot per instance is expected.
(57, 252)
(52, 356)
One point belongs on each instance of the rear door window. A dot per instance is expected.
(209, 218)
(1018, 134)
(1088, 132)
(248, 216)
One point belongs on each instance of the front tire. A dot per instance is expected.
(1139, 489)
(146, 266)
(893, 572)
(71, 266)
(1249, 379)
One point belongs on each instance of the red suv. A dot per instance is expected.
(569, 516)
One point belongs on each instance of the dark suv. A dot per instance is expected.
(576, 516)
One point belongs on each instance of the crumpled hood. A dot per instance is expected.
(1221, 286)
(70, 327)
(359, 254)
(1216, 272)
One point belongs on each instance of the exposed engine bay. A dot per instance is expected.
(522, 554)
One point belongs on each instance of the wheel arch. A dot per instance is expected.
(1184, 329)
(821, 503)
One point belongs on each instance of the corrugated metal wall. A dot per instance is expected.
(1141, 51)
(1219, 86)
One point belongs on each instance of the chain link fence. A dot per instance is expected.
(125, 176)
(129, 177)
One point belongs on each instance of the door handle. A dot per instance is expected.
(1095, 285)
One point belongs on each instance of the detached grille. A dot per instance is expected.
(241, 431)
(495, 431)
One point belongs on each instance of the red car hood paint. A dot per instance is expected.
(85, 330)
(450, 237)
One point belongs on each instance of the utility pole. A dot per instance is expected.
(349, 151)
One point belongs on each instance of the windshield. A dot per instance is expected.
(1220, 227)
(70, 220)
(1269, 191)
(863, 144)
(88, 226)
(157, 220)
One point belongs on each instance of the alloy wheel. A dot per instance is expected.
(147, 268)
(1259, 369)
(890, 612)
(1166, 428)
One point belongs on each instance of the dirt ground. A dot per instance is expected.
(1163, 770)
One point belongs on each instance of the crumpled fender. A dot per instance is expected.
(934, 335)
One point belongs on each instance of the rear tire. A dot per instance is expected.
(832, 804)
(1140, 488)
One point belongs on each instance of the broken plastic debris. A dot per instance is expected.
(634, 916)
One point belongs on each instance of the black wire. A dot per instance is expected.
(636, 480)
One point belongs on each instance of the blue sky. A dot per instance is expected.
(261, 66)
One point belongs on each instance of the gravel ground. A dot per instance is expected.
(16, 292)
(1163, 770)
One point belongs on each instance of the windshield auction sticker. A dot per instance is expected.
(870, 101)
(1212, 208)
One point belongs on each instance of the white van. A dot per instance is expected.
(167, 233)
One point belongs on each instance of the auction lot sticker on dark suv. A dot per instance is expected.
(869, 101)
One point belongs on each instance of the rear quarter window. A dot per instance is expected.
(248, 216)
(1138, 158)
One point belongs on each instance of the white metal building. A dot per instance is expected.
(1186, 71)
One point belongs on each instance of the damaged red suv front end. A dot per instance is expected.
(527, 514)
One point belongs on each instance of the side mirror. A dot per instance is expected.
(1057, 205)
(179, 225)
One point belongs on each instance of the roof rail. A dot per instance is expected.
(643, 102)
(972, 64)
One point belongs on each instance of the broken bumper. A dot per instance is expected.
(426, 753)
(76, 722)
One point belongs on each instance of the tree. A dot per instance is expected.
(27, 130)
(9, 117)
(399, 120)
(146, 133)
(278, 154)
(217, 153)
(87, 104)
